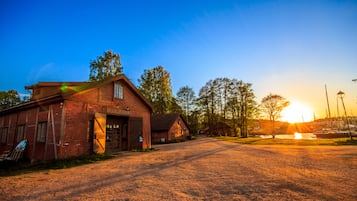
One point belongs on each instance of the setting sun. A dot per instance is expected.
(297, 112)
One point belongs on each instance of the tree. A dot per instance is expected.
(273, 105)
(155, 85)
(9, 99)
(208, 100)
(230, 101)
(105, 66)
(241, 105)
(186, 99)
(174, 106)
(194, 121)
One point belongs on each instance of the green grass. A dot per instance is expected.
(10, 168)
(270, 141)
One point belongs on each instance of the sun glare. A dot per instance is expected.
(297, 112)
(297, 136)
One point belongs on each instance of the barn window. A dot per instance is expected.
(41, 132)
(20, 133)
(118, 91)
(3, 135)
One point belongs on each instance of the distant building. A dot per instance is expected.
(218, 129)
(168, 127)
(78, 118)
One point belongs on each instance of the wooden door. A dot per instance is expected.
(135, 131)
(124, 137)
(99, 133)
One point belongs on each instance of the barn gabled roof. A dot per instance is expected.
(163, 122)
(70, 88)
(132, 87)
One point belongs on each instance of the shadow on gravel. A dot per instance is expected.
(123, 177)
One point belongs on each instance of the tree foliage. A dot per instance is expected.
(186, 99)
(273, 105)
(155, 85)
(9, 99)
(175, 107)
(105, 66)
(228, 100)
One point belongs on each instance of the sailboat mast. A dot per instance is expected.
(328, 104)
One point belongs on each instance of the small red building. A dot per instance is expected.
(67, 119)
(168, 127)
(219, 129)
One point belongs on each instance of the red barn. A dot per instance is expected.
(168, 127)
(78, 118)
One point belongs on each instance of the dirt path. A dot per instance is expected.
(203, 169)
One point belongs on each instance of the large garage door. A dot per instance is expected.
(99, 133)
(136, 130)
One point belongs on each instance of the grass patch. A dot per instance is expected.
(10, 168)
(276, 141)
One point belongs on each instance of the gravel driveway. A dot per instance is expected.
(202, 169)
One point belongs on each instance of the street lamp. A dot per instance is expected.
(341, 94)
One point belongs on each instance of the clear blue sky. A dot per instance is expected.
(292, 48)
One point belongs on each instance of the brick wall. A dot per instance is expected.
(73, 121)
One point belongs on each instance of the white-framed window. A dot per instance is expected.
(118, 91)
(3, 135)
(41, 132)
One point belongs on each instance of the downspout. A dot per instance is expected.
(63, 124)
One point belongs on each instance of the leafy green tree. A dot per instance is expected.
(208, 101)
(175, 107)
(194, 121)
(248, 106)
(186, 99)
(230, 101)
(204, 106)
(9, 99)
(273, 105)
(155, 85)
(241, 105)
(105, 66)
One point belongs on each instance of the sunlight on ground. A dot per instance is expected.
(297, 136)
(297, 112)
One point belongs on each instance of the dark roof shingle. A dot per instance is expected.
(163, 122)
